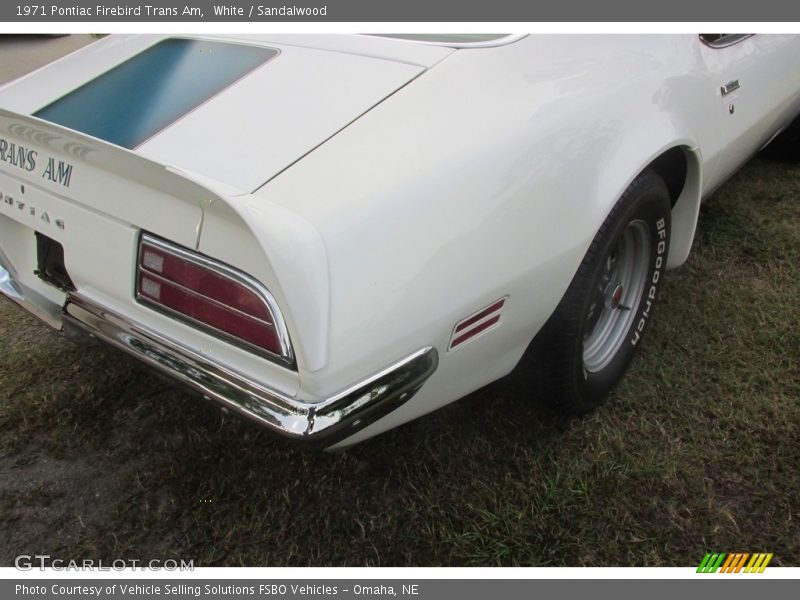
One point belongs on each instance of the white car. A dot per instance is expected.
(333, 235)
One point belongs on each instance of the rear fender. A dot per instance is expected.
(286, 253)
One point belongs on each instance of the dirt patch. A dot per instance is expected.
(48, 503)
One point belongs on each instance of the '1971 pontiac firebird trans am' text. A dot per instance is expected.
(333, 235)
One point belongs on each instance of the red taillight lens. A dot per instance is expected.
(222, 300)
(202, 281)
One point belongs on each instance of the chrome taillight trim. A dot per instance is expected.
(286, 358)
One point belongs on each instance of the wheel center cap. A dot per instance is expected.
(614, 295)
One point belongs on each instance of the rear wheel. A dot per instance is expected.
(786, 146)
(587, 344)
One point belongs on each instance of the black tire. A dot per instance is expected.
(587, 344)
(786, 146)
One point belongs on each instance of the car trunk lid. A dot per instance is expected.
(230, 112)
(102, 177)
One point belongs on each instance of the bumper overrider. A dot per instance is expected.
(324, 421)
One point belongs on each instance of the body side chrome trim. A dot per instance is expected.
(726, 40)
(328, 421)
(729, 87)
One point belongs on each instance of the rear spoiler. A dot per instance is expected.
(176, 205)
(73, 164)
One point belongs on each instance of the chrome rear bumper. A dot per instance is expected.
(34, 303)
(325, 421)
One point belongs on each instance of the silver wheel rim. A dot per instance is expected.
(616, 296)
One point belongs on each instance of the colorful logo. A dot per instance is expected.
(734, 562)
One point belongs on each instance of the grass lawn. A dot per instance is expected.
(697, 450)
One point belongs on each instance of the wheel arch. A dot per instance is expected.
(680, 167)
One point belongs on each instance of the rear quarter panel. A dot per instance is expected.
(486, 177)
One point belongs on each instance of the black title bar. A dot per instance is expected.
(497, 11)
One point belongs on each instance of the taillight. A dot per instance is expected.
(215, 297)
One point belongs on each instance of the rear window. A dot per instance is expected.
(149, 91)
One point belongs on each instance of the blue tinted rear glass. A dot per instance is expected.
(146, 93)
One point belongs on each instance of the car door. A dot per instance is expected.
(756, 80)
